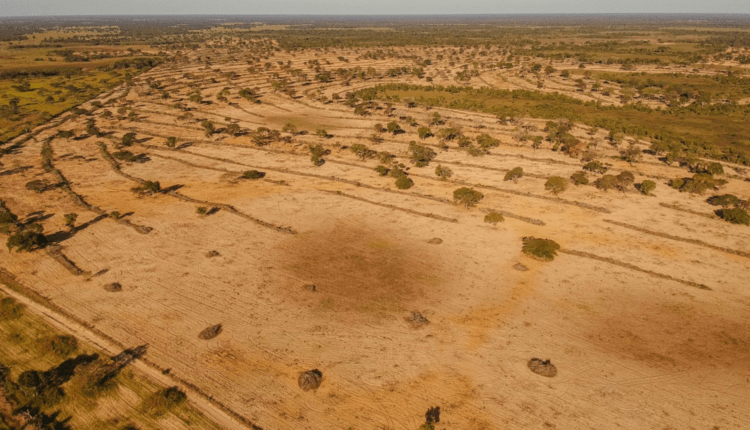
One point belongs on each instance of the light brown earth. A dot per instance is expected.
(632, 350)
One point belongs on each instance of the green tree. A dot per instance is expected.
(647, 186)
(362, 151)
(544, 249)
(424, 132)
(443, 172)
(128, 139)
(404, 182)
(579, 178)
(556, 184)
(420, 155)
(735, 216)
(70, 219)
(467, 197)
(493, 218)
(514, 174)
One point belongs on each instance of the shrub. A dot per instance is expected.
(579, 178)
(698, 184)
(7, 217)
(385, 157)
(253, 174)
(514, 174)
(724, 200)
(61, 345)
(316, 154)
(148, 187)
(382, 170)
(424, 132)
(201, 210)
(404, 182)
(595, 167)
(290, 128)
(544, 249)
(443, 172)
(420, 155)
(321, 133)
(362, 151)
(556, 184)
(632, 154)
(125, 156)
(70, 219)
(38, 186)
(467, 196)
(735, 216)
(208, 128)
(647, 186)
(128, 139)
(171, 142)
(163, 401)
(493, 218)
(10, 309)
(26, 240)
(394, 128)
(379, 128)
(485, 141)
(114, 215)
(397, 171)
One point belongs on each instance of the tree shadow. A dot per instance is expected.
(174, 187)
(37, 216)
(62, 235)
(185, 145)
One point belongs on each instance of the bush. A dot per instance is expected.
(544, 249)
(514, 174)
(724, 200)
(443, 172)
(61, 345)
(394, 128)
(27, 240)
(420, 155)
(124, 156)
(201, 210)
(404, 182)
(171, 142)
(128, 139)
(7, 217)
(362, 151)
(424, 132)
(70, 219)
(647, 186)
(467, 196)
(493, 218)
(322, 133)
(556, 184)
(485, 141)
(698, 184)
(290, 128)
(735, 216)
(316, 154)
(579, 178)
(382, 170)
(38, 186)
(10, 309)
(163, 401)
(379, 128)
(595, 167)
(253, 174)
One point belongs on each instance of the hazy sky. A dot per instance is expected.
(354, 7)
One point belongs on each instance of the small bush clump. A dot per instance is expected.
(514, 174)
(443, 172)
(579, 178)
(26, 240)
(556, 184)
(493, 218)
(596, 167)
(61, 345)
(404, 182)
(724, 200)
(735, 216)
(10, 309)
(163, 401)
(253, 174)
(467, 197)
(544, 249)
(420, 155)
(647, 186)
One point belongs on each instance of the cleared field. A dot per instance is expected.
(321, 265)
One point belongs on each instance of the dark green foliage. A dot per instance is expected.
(420, 155)
(70, 219)
(556, 184)
(394, 128)
(171, 142)
(316, 154)
(424, 132)
(7, 217)
(128, 139)
(148, 187)
(26, 240)
(698, 184)
(735, 216)
(486, 141)
(61, 345)
(443, 172)
(647, 186)
(163, 401)
(544, 249)
(38, 186)
(579, 178)
(10, 309)
(253, 174)
(382, 170)
(125, 156)
(514, 174)
(467, 196)
(724, 200)
(493, 218)
(621, 182)
(201, 210)
(362, 151)
(595, 167)
(404, 182)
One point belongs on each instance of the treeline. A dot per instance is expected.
(714, 131)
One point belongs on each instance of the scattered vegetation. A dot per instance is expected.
(467, 197)
(556, 184)
(493, 218)
(544, 249)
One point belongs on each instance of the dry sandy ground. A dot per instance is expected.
(633, 350)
